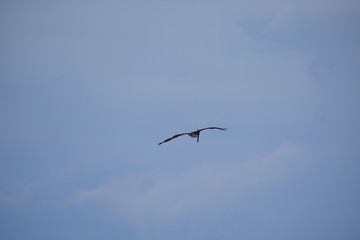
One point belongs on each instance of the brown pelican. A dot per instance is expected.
(194, 134)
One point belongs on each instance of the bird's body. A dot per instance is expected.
(194, 134)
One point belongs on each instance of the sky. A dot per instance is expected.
(88, 89)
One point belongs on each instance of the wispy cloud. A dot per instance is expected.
(16, 196)
(212, 188)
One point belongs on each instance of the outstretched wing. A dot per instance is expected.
(213, 128)
(175, 136)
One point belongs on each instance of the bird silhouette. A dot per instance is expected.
(194, 134)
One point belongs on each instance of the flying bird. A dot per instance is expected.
(194, 134)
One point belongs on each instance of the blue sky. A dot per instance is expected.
(88, 89)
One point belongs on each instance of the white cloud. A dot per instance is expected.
(16, 196)
(157, 199)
